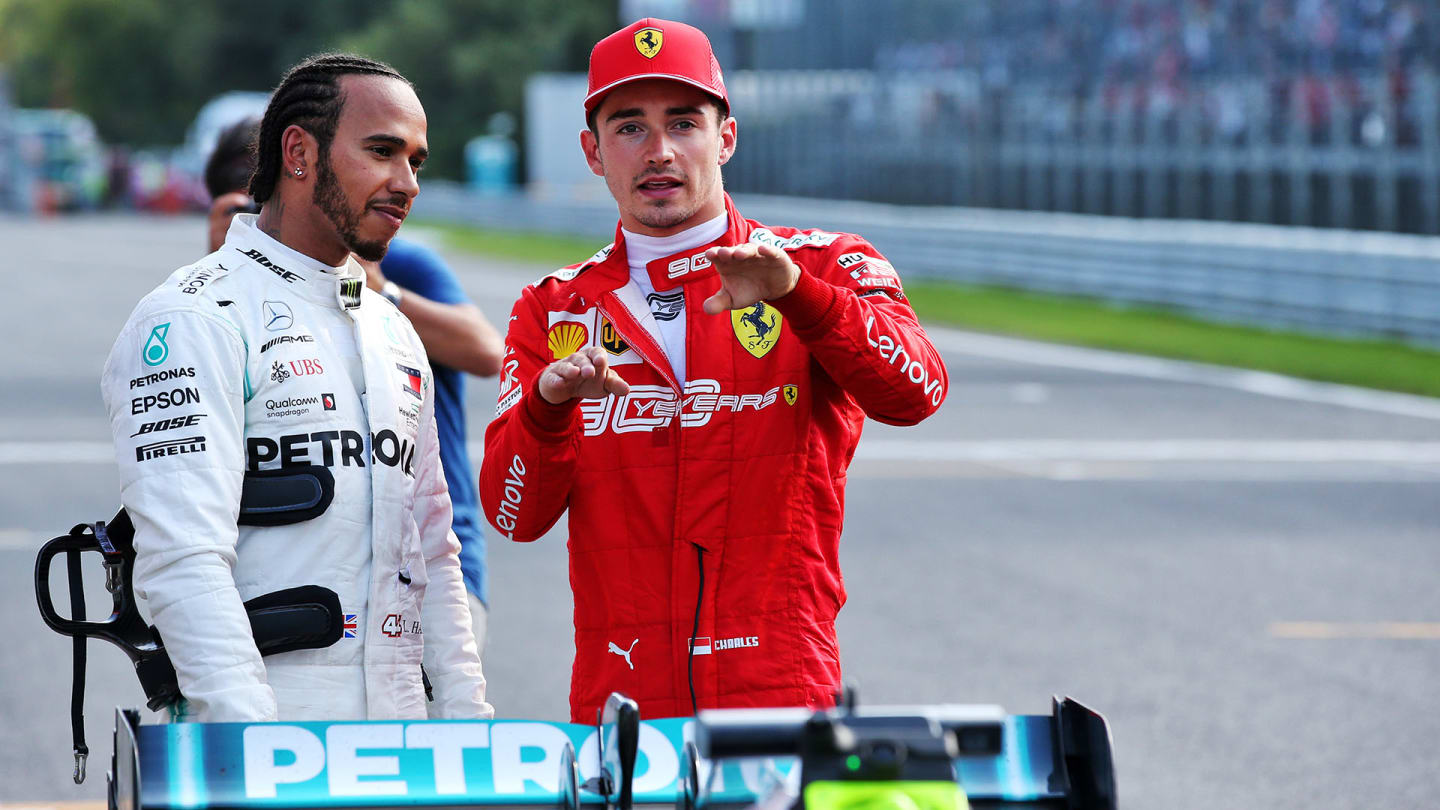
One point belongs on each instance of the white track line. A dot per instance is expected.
(42, 805)
(1049, 354)
(57, 453)
(1262, 383)
(1156, 450)
(21, 540)
(1409, 631)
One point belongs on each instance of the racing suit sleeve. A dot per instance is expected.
(852, 315)
(531, 446)
(174, 386)
(451, 657)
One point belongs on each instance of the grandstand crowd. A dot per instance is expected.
(1312, 57)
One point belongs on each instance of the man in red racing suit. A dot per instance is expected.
(704, 469)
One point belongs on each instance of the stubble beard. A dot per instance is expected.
(661, 214)
(335, 205)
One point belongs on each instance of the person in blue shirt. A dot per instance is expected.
(457, 337)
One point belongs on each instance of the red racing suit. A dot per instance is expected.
(708, 518)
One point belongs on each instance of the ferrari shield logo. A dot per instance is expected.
(648, 41)
(757, 327)
(791, 393)
(611, 339)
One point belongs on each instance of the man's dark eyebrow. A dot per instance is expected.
(628, 112)
(397, 142)
(636, 112)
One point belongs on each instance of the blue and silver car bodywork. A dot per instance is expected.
(1058, 760)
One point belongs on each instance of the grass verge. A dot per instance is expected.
(541, 249)
(1385, 365)
(1370, 363)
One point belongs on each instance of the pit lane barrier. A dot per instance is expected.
(1332, 282)
(859, 758)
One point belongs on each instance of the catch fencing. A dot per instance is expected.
(1358, 153)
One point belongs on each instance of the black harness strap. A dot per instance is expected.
(308, 617)
(694, 629)
(77, 679)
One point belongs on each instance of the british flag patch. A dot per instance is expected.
(352, 625)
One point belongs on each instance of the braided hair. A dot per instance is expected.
(308, 95)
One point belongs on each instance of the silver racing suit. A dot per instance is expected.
(255, 358)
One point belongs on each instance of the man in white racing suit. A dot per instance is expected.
(271, 354)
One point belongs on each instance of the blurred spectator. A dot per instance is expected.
(227, 174)
(1310, 52)
(117, 173)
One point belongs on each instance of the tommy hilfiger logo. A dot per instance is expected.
(410, 380)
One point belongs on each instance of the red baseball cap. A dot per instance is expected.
(654, 49)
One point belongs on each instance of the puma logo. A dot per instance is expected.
(615, 648)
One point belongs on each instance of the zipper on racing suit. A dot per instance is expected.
(644, 348)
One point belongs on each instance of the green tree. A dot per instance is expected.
(142, 68)
(469, 58)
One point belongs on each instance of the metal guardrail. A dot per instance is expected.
(1332, 282)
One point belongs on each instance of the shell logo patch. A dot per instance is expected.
(757, 327)
(791, 393)
(648, 41)
(611, 340)
(566, 338)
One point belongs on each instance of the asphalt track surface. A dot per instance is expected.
(1238, 570)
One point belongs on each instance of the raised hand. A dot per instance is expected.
(750, 273)
(585, 374)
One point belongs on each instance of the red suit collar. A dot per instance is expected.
(669, 272)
